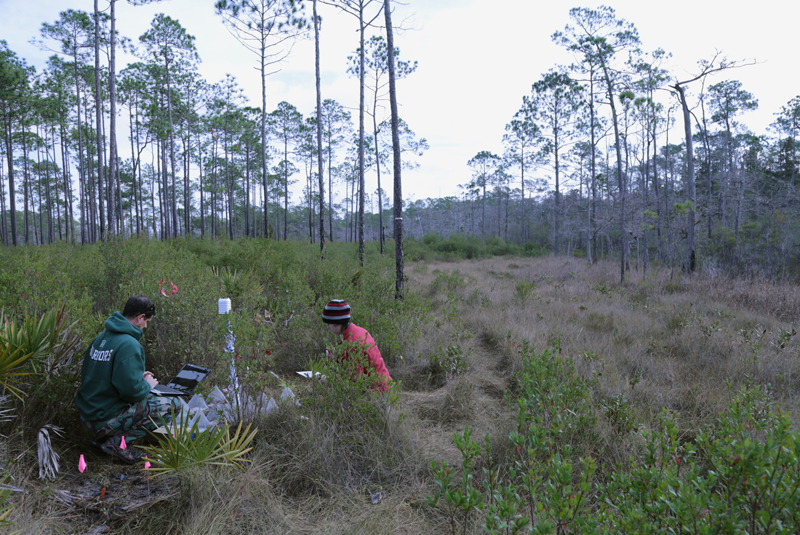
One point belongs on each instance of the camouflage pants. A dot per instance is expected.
(134, 421)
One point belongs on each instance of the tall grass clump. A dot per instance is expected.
(343, 436)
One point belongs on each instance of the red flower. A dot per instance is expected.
(269, 352)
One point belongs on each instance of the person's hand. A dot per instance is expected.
(328, 353)
(150, 379)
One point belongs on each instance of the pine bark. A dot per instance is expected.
(398, 185)
(98, 118)
(319, 137)
(11, 191)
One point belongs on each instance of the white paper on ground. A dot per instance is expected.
(309, 374)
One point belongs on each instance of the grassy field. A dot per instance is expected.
(471, 339)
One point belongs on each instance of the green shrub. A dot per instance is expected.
(459, 246)
(619, 412)
(533, 250)
(672, 287)
(740, 474)
(554, 400)
(523, 289)
(447, 281)
(35, 279)
(446, 363)
(461, 498)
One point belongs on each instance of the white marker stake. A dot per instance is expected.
(224, 307)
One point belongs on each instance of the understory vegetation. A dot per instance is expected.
(533, 394)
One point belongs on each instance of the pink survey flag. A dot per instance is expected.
(162, 283)
(146, 465)
(81, 464)
(122, 444)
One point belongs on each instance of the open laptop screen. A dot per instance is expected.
(186, 380)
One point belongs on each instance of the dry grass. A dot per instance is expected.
(659, 341)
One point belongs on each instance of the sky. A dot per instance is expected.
(476, 60)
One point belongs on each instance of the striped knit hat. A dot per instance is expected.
(336, 311)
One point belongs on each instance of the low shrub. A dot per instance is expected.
(459, 246)
(739, 474)
(523, 290)
(446, 363)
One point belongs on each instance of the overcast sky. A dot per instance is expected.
(477, 58)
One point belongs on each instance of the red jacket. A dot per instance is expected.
(354, 333)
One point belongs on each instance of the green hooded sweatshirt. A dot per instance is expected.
(112, 376)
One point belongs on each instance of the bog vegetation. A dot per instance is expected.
(533, 394)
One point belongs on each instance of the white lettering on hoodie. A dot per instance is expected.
(101, 356)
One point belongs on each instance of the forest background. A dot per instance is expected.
(550, 180)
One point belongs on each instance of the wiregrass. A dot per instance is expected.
(661, 340)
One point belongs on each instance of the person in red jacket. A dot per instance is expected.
(336, 316)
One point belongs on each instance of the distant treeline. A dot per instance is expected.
(592, 163)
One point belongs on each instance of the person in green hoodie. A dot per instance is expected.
(114, 399)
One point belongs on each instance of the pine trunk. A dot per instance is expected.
(319, 137)
(398, 189)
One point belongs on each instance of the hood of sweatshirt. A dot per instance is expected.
(117, 323)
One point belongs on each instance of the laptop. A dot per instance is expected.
(184, 383)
